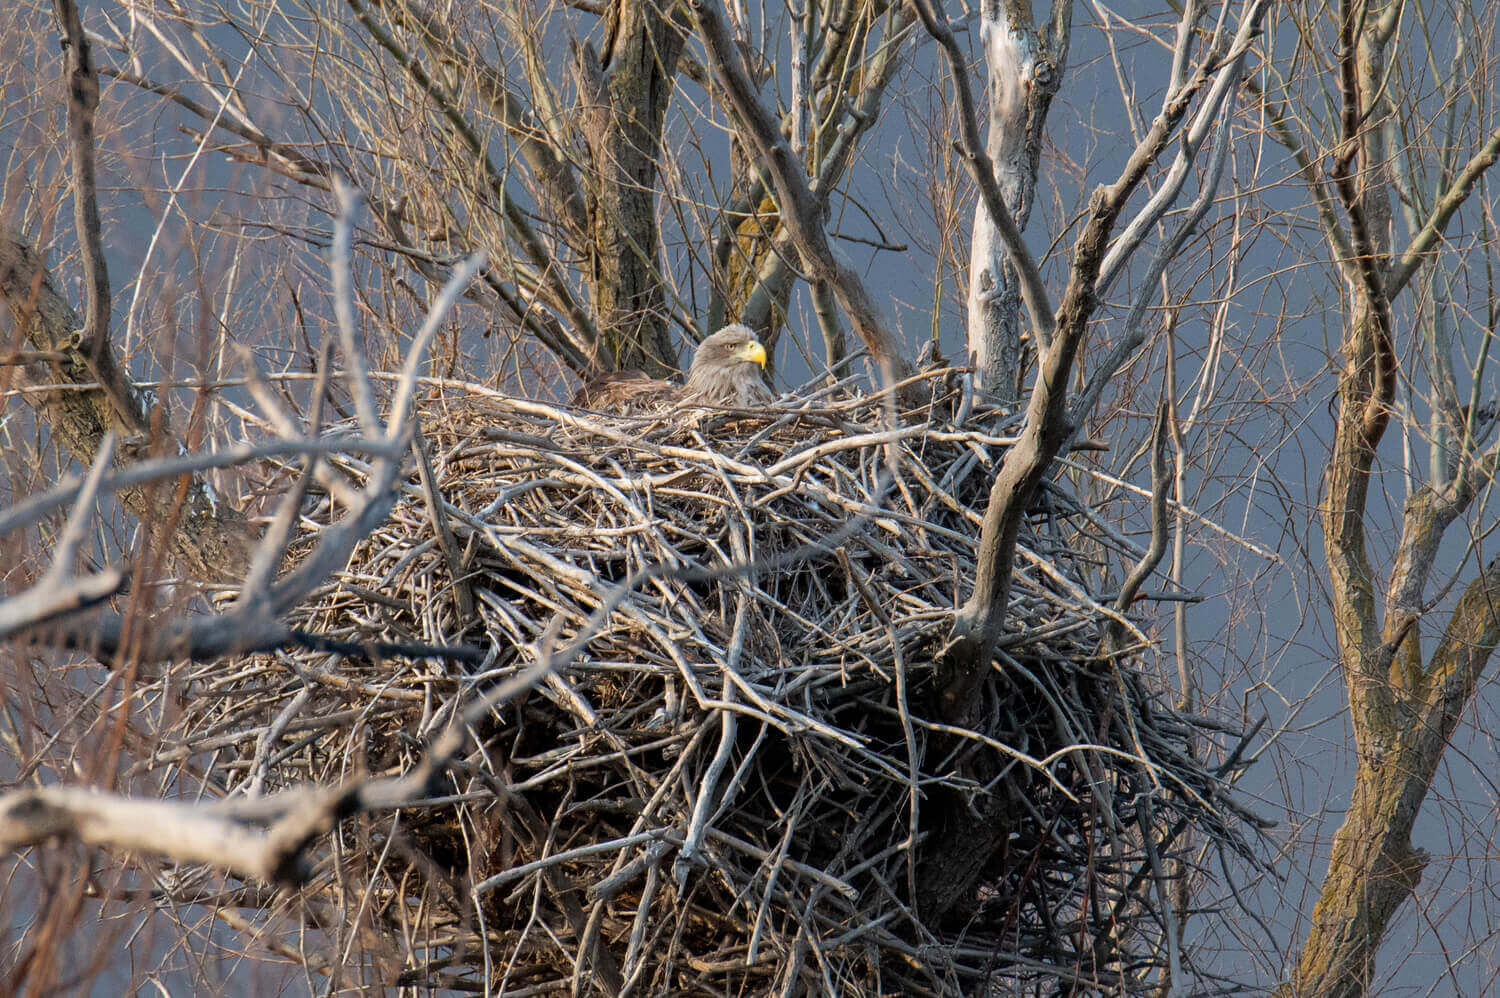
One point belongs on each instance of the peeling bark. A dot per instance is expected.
(1024, 71)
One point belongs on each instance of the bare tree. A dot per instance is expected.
(1390, 171)
(640, 173)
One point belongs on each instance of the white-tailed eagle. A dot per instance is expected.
(726, 371)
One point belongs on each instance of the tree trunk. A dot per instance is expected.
(212, 539)
(625, 99)
(1374, 868)
(1021, 80)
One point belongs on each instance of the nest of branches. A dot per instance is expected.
(734, 778)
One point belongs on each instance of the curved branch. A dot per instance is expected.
(800, 209)
(1458, 192)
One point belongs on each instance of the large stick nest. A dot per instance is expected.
(741, 783)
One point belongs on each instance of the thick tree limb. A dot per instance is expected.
(83, 104)
(982, 169)
(211, 536)
(980, 622)
(1447, 203)
(623, 111)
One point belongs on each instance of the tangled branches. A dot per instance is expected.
(740, 780)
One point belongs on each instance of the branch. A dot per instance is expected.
(1459, 660)
(1457, 193)
(83, 103)
(342, 265)
(1227, 70)
(1429, 512)
(1160, 486)
(800, 209)
(31, 510)
(60, 592)
(982, 168)
(186, 833)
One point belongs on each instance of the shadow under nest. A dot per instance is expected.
(742, 783)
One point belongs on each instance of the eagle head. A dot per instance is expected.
(726, 370)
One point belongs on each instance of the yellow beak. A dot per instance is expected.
(754, 351)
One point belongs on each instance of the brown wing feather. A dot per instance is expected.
(726, 371)
(626, 391)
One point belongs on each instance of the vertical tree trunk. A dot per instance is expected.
(1021, 80)
(626, 96)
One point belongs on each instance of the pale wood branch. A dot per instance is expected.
(60, 592)
(1447, 203)
(982, 169)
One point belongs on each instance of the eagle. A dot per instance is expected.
(726, 371)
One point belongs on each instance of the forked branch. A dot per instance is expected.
(981, 621)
